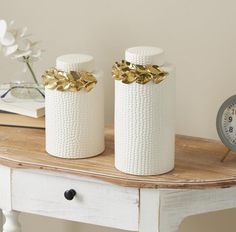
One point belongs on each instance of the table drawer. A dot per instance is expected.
(95, 202)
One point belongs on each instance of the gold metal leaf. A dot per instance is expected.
(60, 88)
(130, 78)
(158, 79)
(87, 77)
(68, 81)
(115, 72)
(74, 89)
(90, 86)
(75, 75)
(143, 79)
(141, 74)
(153, 70)
(51, 84)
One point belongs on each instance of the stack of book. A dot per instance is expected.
(11, 119)
(20, 112)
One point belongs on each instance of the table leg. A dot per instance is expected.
(11, 221)
(149, 210)
(151, 219)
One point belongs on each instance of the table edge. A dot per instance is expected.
(125, 182)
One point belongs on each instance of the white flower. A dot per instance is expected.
(16, 43)
(3, 28)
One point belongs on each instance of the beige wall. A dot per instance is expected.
(198, 36)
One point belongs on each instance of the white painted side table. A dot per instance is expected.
(93, 191)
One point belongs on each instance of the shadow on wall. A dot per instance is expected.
(33, 223)
(223, 220)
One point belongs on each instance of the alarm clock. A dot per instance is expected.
(226, 124)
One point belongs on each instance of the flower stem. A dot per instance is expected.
(31, 70)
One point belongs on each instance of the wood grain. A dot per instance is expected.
(197, 161)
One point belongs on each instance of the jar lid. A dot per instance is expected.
(75, 62)
(145, 55)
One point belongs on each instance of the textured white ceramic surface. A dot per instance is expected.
(145, 55)
(144, 120)
(75, 120)
(75, 62)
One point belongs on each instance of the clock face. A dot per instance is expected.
(229, 123)
(226, 123)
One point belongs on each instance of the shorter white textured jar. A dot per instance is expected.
(75, 120)
(144, 118)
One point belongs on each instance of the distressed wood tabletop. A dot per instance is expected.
(198, 164)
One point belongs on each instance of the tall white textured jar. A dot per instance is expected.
(144, 118)
(75, 120)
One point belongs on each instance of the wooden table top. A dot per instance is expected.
(198, 163)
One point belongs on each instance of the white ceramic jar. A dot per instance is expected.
(75, 120)
(144, 118)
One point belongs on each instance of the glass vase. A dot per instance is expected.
(27, 86)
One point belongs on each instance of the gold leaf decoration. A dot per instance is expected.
(68, 81)
(141, 74)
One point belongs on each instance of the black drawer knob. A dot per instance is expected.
(69, 194)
